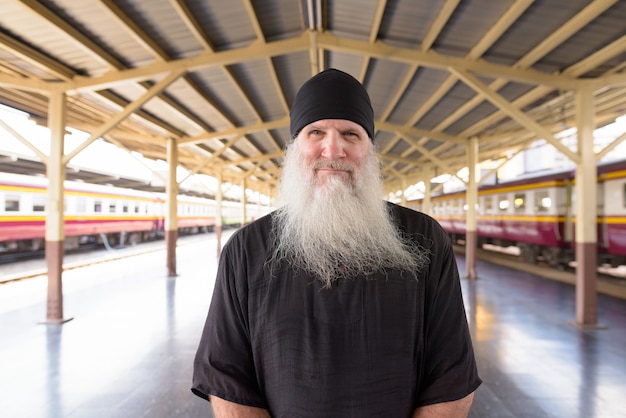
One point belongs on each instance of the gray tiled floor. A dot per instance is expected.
(129, 348)
(533, 361)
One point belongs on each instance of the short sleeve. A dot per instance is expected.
(450, 371)
(224, 365)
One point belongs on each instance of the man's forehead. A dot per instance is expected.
(336, 123)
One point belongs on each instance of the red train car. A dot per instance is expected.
(538, 215)
(100, 214)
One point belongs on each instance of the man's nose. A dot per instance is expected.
(333, 145)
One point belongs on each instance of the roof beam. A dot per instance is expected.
(435, 60)
(401, 160)
(85, 42)
(206, 59)
(36, 58)
(583, 18)
(128, 110)
(611, 80)
(512, 111)
(135, 31)
(539, 52)
(263, 158)
(613, 49)
(440, 21)
(104, 56)
(328, 41)
(234, 131)
(22, 83)
(192, 23)
(492, 35)
(254, 21)
(427, 43)
(374, 29)
(577, 69)
(412, 131)
(429, 155)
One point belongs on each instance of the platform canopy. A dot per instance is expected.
(219, 76)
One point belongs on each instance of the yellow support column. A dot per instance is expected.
(55, 234)
(586, 213)
(244, 203)
(471, 238)
(171, 218)
(426, 207)
(218, 213)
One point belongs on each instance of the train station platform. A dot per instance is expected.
(128, 350)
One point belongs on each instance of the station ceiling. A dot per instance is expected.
(218, 77)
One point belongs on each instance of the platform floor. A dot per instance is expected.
(128, 350)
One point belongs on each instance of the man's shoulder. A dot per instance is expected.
(262, 223)
(402, 213)
(414, 222)
(256, 231)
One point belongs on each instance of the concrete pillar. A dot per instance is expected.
(586, 212)
(55, 234)
(427, 190)
(218, 213)
(171, 217)
(471, 238)
(244, 203)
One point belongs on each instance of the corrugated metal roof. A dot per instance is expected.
(435, 70)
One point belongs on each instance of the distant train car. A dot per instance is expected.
(101, 214)
(538, 215)
(613, 195)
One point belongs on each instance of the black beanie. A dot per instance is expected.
(332, 94)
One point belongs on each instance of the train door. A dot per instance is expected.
(568, 209)
(602, 227)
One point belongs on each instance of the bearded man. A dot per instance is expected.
(338, 304)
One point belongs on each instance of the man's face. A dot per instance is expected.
(334, 148)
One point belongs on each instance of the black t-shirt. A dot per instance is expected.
(378, 346)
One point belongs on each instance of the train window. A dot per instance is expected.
(519, 202)
(125, 207)
(112, 207)
(624, 196)
(81, 205)
(543, 202)
(97, 206)
(12, 203)
(488, 204)
(39, 203)
(503, 203)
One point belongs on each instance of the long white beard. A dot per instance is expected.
(335, 228)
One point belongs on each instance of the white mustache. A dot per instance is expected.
(333, 165)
